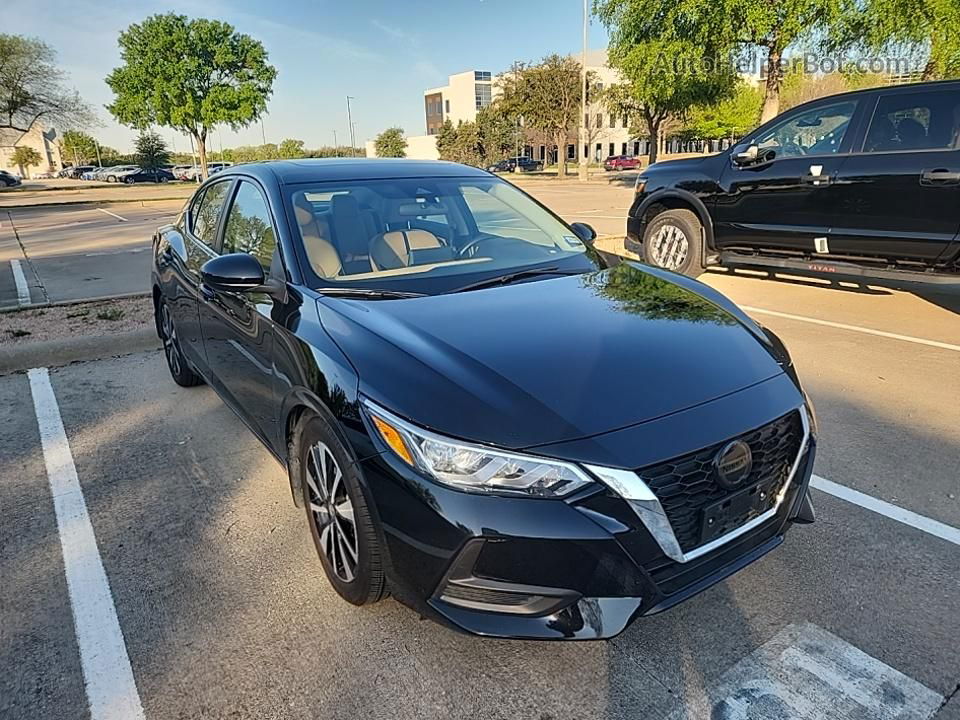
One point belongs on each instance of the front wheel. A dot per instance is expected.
(673, 241)
(337, 512)
(129, 181)
(111, 178)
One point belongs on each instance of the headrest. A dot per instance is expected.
(303, 209)
(344, 204)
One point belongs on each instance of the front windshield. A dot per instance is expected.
(363, 232)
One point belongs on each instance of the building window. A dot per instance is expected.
(599, 120)
(626, 121)
(623, 149)
(636, 147)
(586, 151)
(613, 120)
(586, 120)
(447, 106)
(483, 95)
(481, 76)
(611, 148)
(571, 152)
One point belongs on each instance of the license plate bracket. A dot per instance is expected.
(734, 510)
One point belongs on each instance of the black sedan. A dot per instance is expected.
(155, 175)
(477, 414)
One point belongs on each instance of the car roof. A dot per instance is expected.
(290, 172)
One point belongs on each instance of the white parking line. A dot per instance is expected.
(121, 219)
(806, 672)
(894, 512)
(111, 690)
(117, 252)
(605, 217)
(855, 328)
(23, 290)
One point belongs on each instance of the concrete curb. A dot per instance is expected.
(54, 353)
(68, 303)
(107, 201)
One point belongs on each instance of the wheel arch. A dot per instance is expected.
(677, 199)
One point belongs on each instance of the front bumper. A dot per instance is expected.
(579, 568)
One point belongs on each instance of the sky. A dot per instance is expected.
(384, 53)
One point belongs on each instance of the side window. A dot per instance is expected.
(249, 227)
(818, 131)
(915, 121)
(206, 213)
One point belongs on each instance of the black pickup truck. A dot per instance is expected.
(862, 183)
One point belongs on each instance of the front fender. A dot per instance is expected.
(673, 197)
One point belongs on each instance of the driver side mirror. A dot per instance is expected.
(746, 155)
(583, 231)
(236, 272)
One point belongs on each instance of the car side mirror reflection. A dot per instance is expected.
(583, 231)
(236, 272)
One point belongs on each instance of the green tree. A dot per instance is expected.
(24, 158)
(151, 151)
(190, 75)
(663, 80)
(32, 87)
(291, 148)
(547, 97)
(460, 144)
(726, 31)
(391, 143)
(79, 147)
(731, 118)
(926, 28)
(498, 133)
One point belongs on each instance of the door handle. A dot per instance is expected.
(818, 180)
(940, 176)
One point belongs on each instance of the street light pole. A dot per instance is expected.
(336, 152)
(263, 133)
(583, 152)
(353, 144)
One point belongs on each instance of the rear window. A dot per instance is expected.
(915, 121)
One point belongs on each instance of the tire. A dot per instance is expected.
(351, 554)
(673, 240)
(180, 369)
(129, 180)
(111, 178)
(162, 179)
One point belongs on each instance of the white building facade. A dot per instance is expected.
(45, 142)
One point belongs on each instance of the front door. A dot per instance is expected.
(238, 332)
(899, 194)
(785, 201)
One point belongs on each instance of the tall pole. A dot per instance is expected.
(353, 143)
(263, 133)
(336, 152)
(583, 150)
(97, 146)
(220, 138)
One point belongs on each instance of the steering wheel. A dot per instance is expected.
(475, 242)
(792, 149)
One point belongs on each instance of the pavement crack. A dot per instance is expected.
(23, 250)
(948, 697)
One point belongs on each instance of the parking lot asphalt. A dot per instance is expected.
(225, 613)
(74, 252)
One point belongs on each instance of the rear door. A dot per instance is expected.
(899, 192)
(238, 332)
(787, 202)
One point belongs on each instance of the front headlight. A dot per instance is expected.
(475, 468)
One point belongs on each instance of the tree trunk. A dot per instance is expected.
(561, 141)
(771, 93)
(201, 139)
(930, 71)
(653, 137)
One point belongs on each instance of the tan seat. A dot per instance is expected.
(322, 254)
(392, 250)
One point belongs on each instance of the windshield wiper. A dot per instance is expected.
(518, 275)
(369, 293)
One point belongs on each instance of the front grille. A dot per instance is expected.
(687, 484)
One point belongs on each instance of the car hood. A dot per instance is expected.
(552, 360)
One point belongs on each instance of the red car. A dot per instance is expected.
(621, 162)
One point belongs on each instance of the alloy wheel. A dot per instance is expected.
(169, 332)
(669, 247)
(332, 512)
